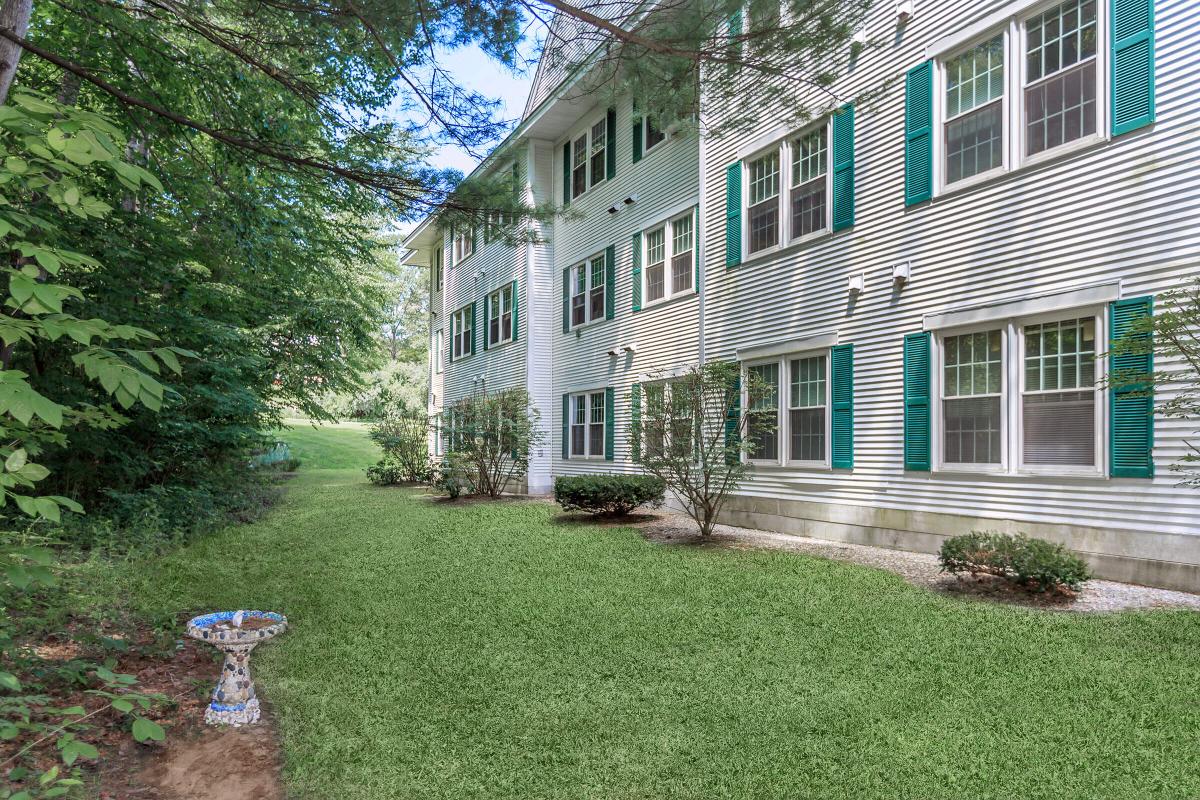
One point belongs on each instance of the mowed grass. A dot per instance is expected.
(488, 651)
(344, 445)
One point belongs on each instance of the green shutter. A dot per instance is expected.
(474, 239)
(610, 419)
(918, 134)
(733, 214)
(696, 249)
(637, 272)
(566, 426)
(610, 282)
(917, 445)
(610, 145)
(516, 311)
(1131, 410)
(843, 168)
(566, 299)
(841, 363)
(566, 174)
(450, 344)
(735, 30)
(637, 134)
(733, 423)
(1132, 70)
(474, 329)
(487, 311)
(635, 423)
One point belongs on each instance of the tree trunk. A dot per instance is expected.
(14, 16)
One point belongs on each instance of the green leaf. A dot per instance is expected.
(9, 681)
(71, 196)
(47, 508)
(56, 139)
(16, 164)
(16, 460)
(122, 705)
(144, 729)
(168, 358)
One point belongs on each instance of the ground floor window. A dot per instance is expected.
(1022, 393)
(788, 420)
(587, 424)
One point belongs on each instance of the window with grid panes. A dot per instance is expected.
(579, 279)
(806, 409)
(763, 211)
(579, 166)
(1060, 75)
(1058, 403)
(972, 384)
(655, 432)
(974, 110)
(655, 269)
(810, 154)
(681, 253)
(596, 289)
(461, 327)
(762, 418)
(596, 424)
(598, 147)
(500, 308)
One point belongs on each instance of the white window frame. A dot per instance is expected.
(783, 433)
(438, 446)
(464, 245)
(1012, 347)
(438, 256)
(439, 342)
(587, 396)
(589, 180)
(666, 386)
(646, 146)
(459, 320)
(784, 148)
(589, 287)
(507, 289)
(668, 227)
(1014, 158)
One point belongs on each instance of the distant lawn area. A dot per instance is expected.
(488, 650)
(330, 446)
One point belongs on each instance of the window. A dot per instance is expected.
(785, 208)
(1058, 402)
(1060, 75)
(651, 135)
(806, 409)
(1028, 388)
(588, 287)
(810, 157)
(438, 446)
(789, 418)
(589, 158)
(587, 425)
(437, 351)
(500, 314)
(464, 245)
(461, 331)
(437, 269)
(974, 127)
(655, 433)
(669, 257)
(669, 421)
(764, 202)
(1051, 59)
(762, 425)
(972, 383)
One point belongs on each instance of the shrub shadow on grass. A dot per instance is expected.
(998, 590)
(580, 519)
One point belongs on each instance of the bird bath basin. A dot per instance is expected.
(235, 633)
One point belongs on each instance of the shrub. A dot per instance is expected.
(386, 472)
(608, 495)
(493, 434)
(1032, 563)
(404, 439)
(453, 477)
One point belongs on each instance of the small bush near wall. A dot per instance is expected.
(1033, 563)
(608, 495)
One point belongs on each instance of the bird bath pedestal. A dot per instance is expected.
(235, 633)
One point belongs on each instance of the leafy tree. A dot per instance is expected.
(492, 435)
(690, 433)
(403, 437)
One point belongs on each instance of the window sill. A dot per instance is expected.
(498, 345)
(1024, 472)
(1027, 164)
(585, 458)
(581, 327)
(791, 247)
(666, 301)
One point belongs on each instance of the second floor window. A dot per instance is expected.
(764, 202)
(461, 332)
(974, 127)
(589, 157)
(437, 269)
(669, 258)
(651, 135)
(464, 245)
(588, 287)
(500, 316)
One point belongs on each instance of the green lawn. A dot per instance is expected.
(341, 446)
(486, 651)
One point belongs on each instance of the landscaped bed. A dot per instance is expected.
(441, 650)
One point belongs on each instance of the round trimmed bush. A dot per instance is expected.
(608, 495)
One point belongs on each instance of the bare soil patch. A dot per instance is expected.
(922, 569)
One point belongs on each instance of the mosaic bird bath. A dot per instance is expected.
(235, 633)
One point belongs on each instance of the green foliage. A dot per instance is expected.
(608, 495)
(492, 435)
(454, 477)
(1032, 563)
(403, 436)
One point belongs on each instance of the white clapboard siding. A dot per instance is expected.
(1122, 210)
